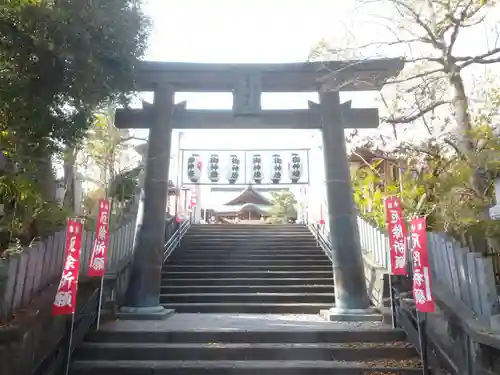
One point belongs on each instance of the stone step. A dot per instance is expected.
(249, 308)
(195, 367)
(243, 237)
(252, 297)
(235, 352)
(268, 227)
(245, 274)
(261, 256)
(232, 261)
(248, 256)
(283, 234)
(245, 267)
(166, 281)
(247, 289)
(250, 244)
(260, 233)
(254, 251)
(298, 333)
(255, 235)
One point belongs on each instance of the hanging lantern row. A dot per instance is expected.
(233, 172)
(257, 169)
(194, 168)
(277, 169)
(295, 168)
(213, 168)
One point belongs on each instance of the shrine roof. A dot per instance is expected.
(249, 195)
(370, 74)
(244, 208)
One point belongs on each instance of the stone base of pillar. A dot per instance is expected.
(351, 315)
(144, 313)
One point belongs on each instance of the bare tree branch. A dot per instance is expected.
(419, 21)
(485, 58)
(416, 76)
(416, 116)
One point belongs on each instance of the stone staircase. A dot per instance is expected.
(247, 299)
(248, 269)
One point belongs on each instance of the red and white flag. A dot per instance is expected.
(397, 235)
(422, 285)
(65, 300)
(97, 260)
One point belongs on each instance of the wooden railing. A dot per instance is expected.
(25, 274)
(55, 362)
(31, 340)
(463, 335)
(467, 275)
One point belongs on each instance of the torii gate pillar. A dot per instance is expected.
(348, 270)
(142, 297)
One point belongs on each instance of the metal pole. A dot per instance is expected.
(71, 325)
(245, 178)
(393, 305)
(308, 168)
(422, 338)
(180, 164)
(99, 303)
(317, 235)
(391, 292)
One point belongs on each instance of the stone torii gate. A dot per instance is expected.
(247, 82)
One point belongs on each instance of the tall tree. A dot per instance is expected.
(434, 38)
(284, 206)
(110, 151)
(60, 60)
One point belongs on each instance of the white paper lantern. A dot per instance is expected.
(194, 166)
(257, 168)
(276, 169)
(213, 168)
(295, 168)
(233, 169)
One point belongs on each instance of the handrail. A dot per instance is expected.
(175, 239)
(321, 241)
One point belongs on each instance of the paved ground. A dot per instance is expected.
(238, 322)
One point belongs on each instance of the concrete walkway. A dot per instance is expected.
(239, 322)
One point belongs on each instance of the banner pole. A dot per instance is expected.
(99, 304)
(391, 293)
(393, 305)
(101, 289)
(422, 339)
(70, 344)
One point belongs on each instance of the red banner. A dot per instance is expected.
(421, 269)
(97, 260)
(397, 235)
(65, 300)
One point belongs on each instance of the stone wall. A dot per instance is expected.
(35, 332)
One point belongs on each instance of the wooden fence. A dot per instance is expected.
(24, 275)
(467, 275)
